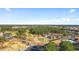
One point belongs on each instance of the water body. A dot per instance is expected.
(35, 48)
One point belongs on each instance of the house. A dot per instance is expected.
(53, 36)
(7, 35)
(56, 36)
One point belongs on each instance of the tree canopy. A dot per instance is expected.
(66, 46)
(50, 47)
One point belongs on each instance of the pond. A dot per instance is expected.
(34, 48)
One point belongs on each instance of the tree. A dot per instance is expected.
(45, 30)
(50, 47)
(2, 39)
(66, 46)
(65, 33)
(21, 32)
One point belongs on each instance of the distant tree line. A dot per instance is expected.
(44, 30)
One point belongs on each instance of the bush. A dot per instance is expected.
(50, 47)
(66, 46)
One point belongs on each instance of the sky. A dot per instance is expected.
(50, 16)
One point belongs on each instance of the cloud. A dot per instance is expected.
(66, 19)
(8, 9)
(59, 21)
(77, 19)
(35, 22)
(72, 10)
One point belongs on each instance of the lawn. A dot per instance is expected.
(41, 39)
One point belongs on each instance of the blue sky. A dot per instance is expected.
(54, 16)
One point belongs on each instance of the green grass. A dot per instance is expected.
(41, 39)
